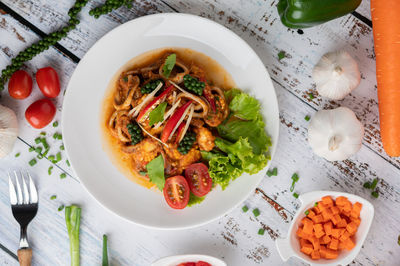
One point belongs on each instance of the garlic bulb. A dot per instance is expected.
(335, 134)
(8, 130)
(336, 75)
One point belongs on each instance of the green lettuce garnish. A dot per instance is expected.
(243, 145)
(193, 200)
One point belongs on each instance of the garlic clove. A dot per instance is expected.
(8, 130)
(336, 75)
(335, 134)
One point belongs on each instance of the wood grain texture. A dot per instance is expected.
(25, 257)
(234, 237)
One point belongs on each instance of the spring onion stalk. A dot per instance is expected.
(105, 254)
(73, 220)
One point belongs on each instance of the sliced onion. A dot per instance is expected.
(179, 121)
(151, 136)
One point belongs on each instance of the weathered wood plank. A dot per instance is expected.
(7, 259)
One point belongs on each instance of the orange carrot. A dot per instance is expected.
(385, 22)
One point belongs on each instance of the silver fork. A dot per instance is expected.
(24, 206)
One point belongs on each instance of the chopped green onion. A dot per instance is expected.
(63, 175)
(46, 152)
(18, 154)
(316, 204)
(51, 158)
(58, 156)
(307, 118)
(306, 212)
(375, 194)
(269, 173)
(61, 208)
(374, 183)
(59, 136)
(256, 212)
(62, 147)
(37, 140)
(39, 156)
(32, 162)
(53, 197)
(44, 143)
(295, 177)
(261, 231)
(43, 133)
(275, 171)
(31, 149)
(281, 55)
(311, 96)
(367, 185)
(398, 240)
(55, 124)
(38, 149)
(295, 195)
(245, 208)
(105, 254)
(55, 135)
(68, 163)
(49, 170)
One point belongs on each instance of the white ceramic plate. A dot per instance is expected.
(175, 260)
(290, 246)
(82, 109)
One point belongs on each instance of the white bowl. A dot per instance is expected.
(175, 260)
(86, 90)
(290, 246)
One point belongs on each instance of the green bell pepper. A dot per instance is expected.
(298, 14)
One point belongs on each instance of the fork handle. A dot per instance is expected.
(25, 256)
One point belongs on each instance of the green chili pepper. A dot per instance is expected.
(298, 14)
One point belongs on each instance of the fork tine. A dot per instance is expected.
(32, 189)
(25, 189)
(19, 192)
(13, 194)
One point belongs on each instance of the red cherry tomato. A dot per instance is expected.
(48, 82)
(199, 180)
(40, 113)
(176, 192)
(20, 85)
(187, 264)
(202, 263)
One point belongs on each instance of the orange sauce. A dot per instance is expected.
(214, 71)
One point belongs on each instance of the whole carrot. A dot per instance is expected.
(386, 28)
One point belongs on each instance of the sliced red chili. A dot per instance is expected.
(153, 104)
(179, 131)
(173, 121)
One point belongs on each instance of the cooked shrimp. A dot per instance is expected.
(144, 152)
(179, 161)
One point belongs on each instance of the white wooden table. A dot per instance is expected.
(234, 237)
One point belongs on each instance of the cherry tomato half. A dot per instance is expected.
(48, 82)
(40, 113)
(20, 85)
(176, 192)
(202, 263)
(199, 180)
(187, 264)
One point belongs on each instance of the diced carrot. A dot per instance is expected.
(341, 201)
(342, 223)
(335, 210)
(344, 236)
(316, 209)
(347, 207)
(355, 212)
(349, 244)
(327, 200)
(345, 213)
(325, 240)
(334, 244)
(341, 231)
(307, 248)
(328, 228)
(351, 227)
(318, 219)
(336, 233)
(310, 214)
(321, 206)
(315, 242)
(303, 242)
(318, 230)
(315, 255)
(308, 226)
(331, 254)
(342, 245)
(336, 219)
(327, 214)
(322, 252)
(356, 221)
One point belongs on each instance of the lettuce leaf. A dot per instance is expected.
(249, 125)
(239, 158)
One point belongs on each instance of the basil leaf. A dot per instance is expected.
(155, 170)
(157, 115)
(169, 65)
